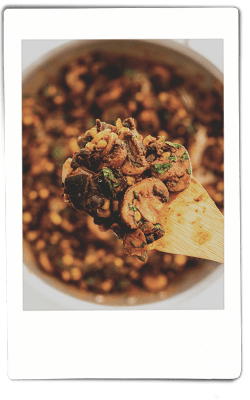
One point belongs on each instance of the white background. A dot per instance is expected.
(200, 344)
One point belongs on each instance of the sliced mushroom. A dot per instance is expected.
(136, 162)
(135, 244)
(152, 232)
(173, 168)
(110, 138)
(129, 122)
(145, 197)
(117, 157)
(84, 139)
(111, 183)
(117, 229)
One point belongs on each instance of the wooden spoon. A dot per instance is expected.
(193, 225)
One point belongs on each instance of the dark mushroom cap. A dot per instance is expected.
(135, 163)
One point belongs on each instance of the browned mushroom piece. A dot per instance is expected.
(143, 201)
(136, 162)
(173, 167)
(117, 157)
(84, 139)
(95, 146)
(129, 123)
(152, 232)
(135, 244)
(110, 137)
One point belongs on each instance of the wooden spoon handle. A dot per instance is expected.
(193, 224)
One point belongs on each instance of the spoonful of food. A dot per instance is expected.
(142, 189)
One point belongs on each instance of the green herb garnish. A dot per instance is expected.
(133, 208)
(175, 145)
(143, 244)
(132, 243)
(107, 173)
(115, 185)
(167, 199)
(172, 158)
(135, 195)
(158, 226)
(161, 168)
(185, 156)
(188, 171)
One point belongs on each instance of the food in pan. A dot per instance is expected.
(67, 243)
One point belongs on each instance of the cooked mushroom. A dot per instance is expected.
(152, 232)
(135, 244)
(173, 167)
(143, 200)
(84, 139)
(123, 181)
(111, 183)
(136, 162)
(130, 123)
(117, 157)
(85, 157)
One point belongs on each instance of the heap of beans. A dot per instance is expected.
(67, 243)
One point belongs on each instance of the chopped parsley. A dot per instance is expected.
(175, 145)
(133, 208)
(188, 171)
(126, 125)
(115, 185)
(185, 156)
(135, 194)
(167, 199)
(161, 168)
(158, 226)
(132, 243)
(143, 244)
(172, 158)
(107, 173)
(110, 178)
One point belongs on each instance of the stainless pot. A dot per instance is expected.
(186, 63)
